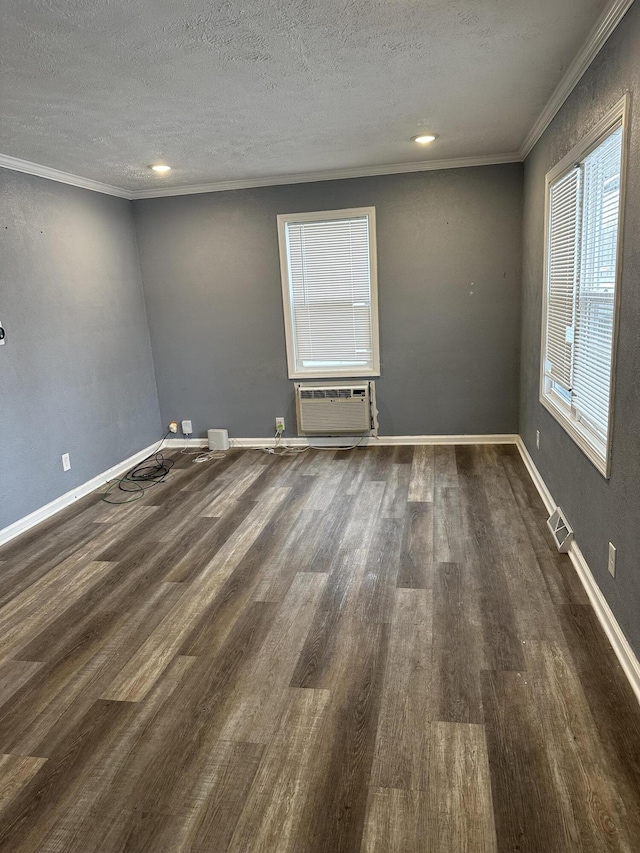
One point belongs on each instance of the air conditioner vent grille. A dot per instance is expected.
(325, 393)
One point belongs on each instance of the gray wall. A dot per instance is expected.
(449, 252)
(76, 373)
(600, 510)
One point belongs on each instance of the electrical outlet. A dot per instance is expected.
(611, 565)
(173, 426)
(187, 427)
(279, 424)
(66, 462)
(538, 439)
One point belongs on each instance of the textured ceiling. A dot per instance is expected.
(240, 90)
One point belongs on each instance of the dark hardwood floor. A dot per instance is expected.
(372, 650)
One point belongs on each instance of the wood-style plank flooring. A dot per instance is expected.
(363, 651)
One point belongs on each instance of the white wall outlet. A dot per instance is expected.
(279, 424)
(538, 439)
(187, 427)
(611, 564)
(66, 462)
(173, 426)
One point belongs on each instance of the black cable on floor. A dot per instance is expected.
(142, 476)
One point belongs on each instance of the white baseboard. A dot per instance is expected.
(340, 441)
(619, 643)
(29, 521)
(492, 438)
(541, 486)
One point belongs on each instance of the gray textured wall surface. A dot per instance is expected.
(600, 510)
(449, 265)
(76, 373)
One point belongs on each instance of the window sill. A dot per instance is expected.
(334, 374)
(595, 451)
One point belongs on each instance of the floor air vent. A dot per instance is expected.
(334, 409)
(560, 530)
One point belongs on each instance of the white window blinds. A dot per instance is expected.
(329, 295)
(595, 297)
(563, 254)
(582, 250)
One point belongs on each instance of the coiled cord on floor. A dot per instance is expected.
(155, 468)
(151, 471)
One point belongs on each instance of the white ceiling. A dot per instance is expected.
(250, 90)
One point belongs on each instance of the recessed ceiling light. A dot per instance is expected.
(424, 138)
(159, 167)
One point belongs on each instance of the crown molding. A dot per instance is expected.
(29, 168)
(18, 165)
(606, 24)
(335, 175)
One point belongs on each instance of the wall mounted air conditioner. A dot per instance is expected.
(335, 409)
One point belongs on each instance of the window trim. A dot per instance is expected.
(319, 216)
(597, 451)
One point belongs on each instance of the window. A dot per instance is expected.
(584, 208)
(329, 292)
